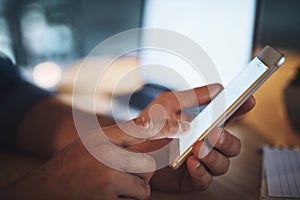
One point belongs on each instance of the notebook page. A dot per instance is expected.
(282, 170)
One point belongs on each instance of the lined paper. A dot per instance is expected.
(282, 171)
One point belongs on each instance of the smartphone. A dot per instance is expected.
(227, 102)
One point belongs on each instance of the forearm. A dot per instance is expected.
(49, 126)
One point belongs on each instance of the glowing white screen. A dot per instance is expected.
(222, 102)
(224, 29)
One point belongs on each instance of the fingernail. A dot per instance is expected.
(141, 122)
(204, 150)
(222, 138)
(184, 126)
(215, 136)
(197, 165)
(214, 89)
(144, 122)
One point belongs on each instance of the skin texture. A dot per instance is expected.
(71, 172)
(75, 174)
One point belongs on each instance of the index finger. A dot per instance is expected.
(125, 160)
(139, 130)
(194, 97)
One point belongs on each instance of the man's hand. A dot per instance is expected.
(197, 172)
(87, 178)
(204, 163)
(75, 173)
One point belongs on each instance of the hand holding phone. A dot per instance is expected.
(227, 101)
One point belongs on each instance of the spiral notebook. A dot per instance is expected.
(281, 173)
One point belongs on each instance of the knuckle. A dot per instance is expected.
(145, 190)
(141, 121)
(201, 172)
(203, 184)
(172, 126)
(211, 158)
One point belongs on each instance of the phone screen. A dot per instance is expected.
(222, 103)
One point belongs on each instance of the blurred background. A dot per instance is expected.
(34, 31)
(45, 38)
(63, 30)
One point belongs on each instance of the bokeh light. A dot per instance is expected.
(47, 74)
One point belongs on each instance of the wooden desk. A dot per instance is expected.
(241, 182)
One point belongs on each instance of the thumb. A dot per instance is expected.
(139, 130)
(141, 164)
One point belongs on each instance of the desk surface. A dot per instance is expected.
(241, 182)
